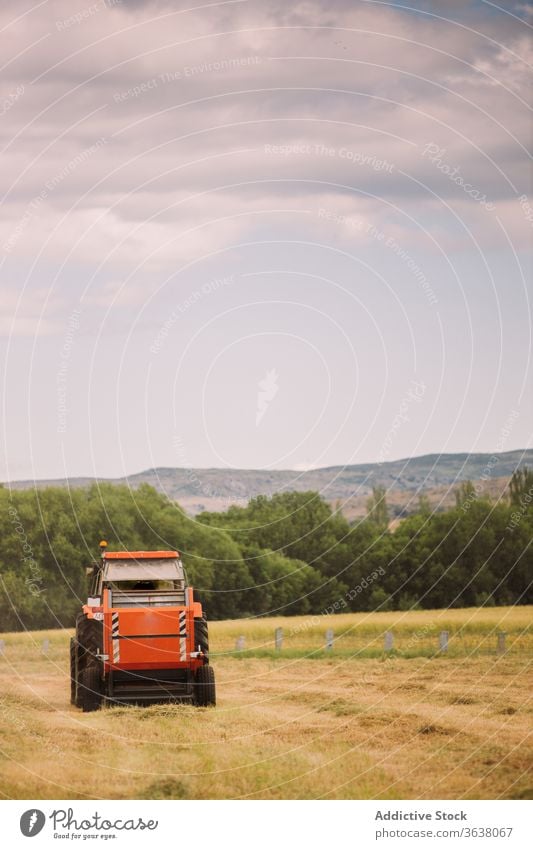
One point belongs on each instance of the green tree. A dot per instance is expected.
(521, 488)
(377, 508)
(465, 494)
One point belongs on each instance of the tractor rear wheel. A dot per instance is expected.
(90, 687)
(88, 694)
(72, 671)
(201, 636)
(89, 635)
(204, 686)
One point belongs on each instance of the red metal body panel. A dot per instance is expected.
(149, 637)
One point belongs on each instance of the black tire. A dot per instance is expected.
(88, 668)
(201, 636)
(204, 687)
(72, 671)
(90, 687)
(89, 634)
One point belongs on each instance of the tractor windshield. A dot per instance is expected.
(156, 574)
(145, 582)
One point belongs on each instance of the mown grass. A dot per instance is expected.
(297, 724)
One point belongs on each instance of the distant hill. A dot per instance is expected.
(217, 489)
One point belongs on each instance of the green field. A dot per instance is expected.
(300, 723)
(415, 633)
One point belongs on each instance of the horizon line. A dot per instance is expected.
(271, 471)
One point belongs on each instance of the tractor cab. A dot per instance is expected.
(147, 578)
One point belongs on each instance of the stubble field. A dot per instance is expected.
(300, 724)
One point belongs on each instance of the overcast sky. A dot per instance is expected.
(263, 234)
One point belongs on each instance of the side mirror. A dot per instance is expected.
(88, 571)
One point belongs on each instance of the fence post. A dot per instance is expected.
(240, 643)
(501, 642)
(443, 641)
(329, 639)
(389, 640)
(45, 646)
(278, 638)
(2, 646)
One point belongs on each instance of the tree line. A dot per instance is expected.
(288, 554)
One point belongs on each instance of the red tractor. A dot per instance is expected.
(141, 638)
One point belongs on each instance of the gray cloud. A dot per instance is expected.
(138, 139)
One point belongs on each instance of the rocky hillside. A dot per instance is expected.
(434, 474)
